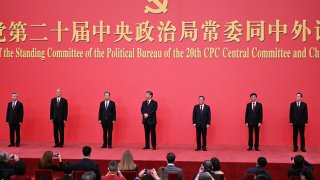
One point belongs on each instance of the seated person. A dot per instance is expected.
(68, 169)
(299, 163)
(46, 161)
(261, 164)
(19, 171)
(126, 162)
(113, 173)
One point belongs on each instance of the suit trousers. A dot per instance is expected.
(14, 129)
(58, 131)
(201, 132)
(256, 132)
(298, 129)
(150, 129)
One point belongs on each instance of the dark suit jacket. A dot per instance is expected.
(298, 116)
(59, 113)
(107, 115)
(5, 165)
(174, 169)
(88, 165)
(15, 115)
(151, 110)
(254, 171)
(295, 171)
(253, 118)
(201, 119)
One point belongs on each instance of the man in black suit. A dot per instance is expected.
(58, 116)
(149, 120)
(298, 120)
(261, 164)
(107, 117)
(201, 119)
(171, 168)
(253, 119)
(14, 119)
(86, 164)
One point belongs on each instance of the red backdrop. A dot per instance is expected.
(176, 83)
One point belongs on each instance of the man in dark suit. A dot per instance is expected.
(86, 164)
(14, 119)
(261, 164)
(68, 170)
(171, 168)
(298, 120)
(253, 119)
(201, 118)
(58, 116)
(107, 117)
(149, 120)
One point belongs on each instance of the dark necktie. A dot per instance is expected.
(58, 102)
(13, 105)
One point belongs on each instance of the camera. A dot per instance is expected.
(11, 156)
(148, 171)
(56, 154)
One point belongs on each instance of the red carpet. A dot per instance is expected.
(234, 159)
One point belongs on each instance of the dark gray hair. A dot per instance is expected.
(90, 175)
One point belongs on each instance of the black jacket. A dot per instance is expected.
(88, 165)
(201, 119)
(254, 117)
(59, 113)
(151, 110)
(298, 115)
(15, 115)
(107, 115)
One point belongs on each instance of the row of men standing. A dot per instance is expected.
(201, 119)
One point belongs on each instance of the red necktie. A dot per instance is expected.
(13, 105)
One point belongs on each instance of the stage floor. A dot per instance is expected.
(234, 159)
(226, 153)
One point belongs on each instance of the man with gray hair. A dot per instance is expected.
(58, 116)
(4, 158)
(14, 118)
(114, 173)
(89, 175)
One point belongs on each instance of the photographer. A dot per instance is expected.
(299, 164)
(114, 173)
(147, 174)
(4, 160)
(46, 161)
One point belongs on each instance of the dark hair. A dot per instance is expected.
(300, 94)
(307, 174)
(202, 97)
(86, 151)
(150, 93)
(19, 168)
(113, 166)
(207, 166)
(171, 157)
(68, 167)
(253, 94)
(147, 177)
(261, 177)
(215, 164)
(90, 175)
(299, 161)
(262, 161)
(107, 92)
